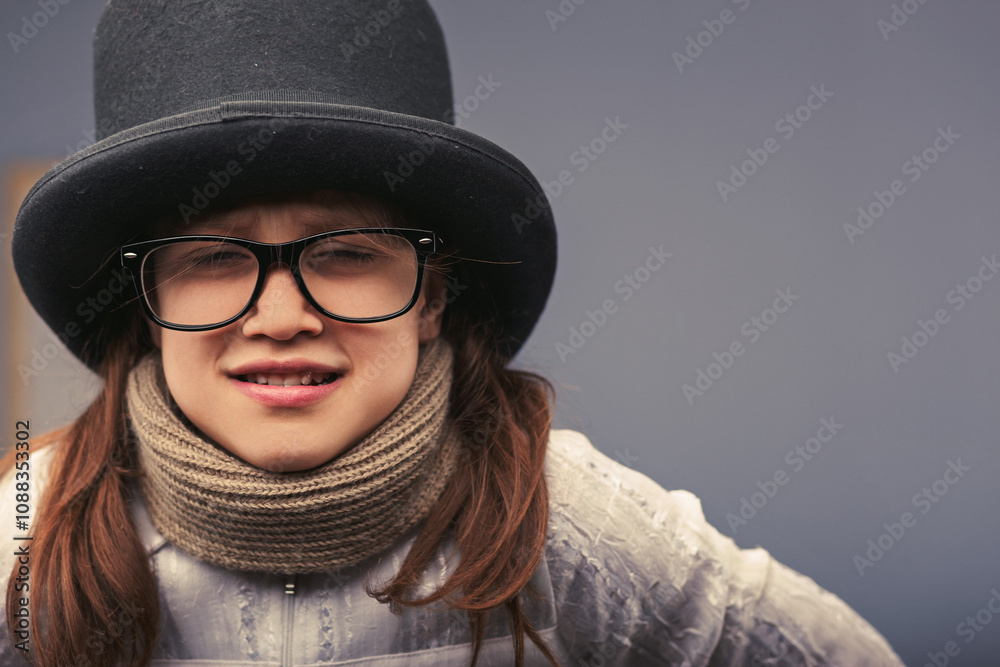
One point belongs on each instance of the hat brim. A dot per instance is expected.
(482, 201)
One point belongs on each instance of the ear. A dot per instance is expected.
(431, 305)
(155, 332)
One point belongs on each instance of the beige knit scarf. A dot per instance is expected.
(227, 512)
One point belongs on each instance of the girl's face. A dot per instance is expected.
(215, 376)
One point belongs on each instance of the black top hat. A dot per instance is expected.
(197, 103)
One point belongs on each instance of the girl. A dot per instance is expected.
(309, 448)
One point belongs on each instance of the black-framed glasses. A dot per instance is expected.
(199, 283)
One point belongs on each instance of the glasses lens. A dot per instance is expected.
(360, 275)
(198, 283)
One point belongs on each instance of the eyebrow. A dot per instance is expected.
(239, 222)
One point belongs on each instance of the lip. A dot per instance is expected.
(282, 366)
(284, 397)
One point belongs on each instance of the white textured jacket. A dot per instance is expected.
(632, 575)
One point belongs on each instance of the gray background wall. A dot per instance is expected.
(826, 357)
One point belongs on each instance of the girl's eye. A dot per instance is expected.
(218, 258)
(198, 257)
(348, 256)
(339, 254)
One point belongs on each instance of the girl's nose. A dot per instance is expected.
(281, 311)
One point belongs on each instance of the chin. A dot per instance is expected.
(281, 458)
(292, 461)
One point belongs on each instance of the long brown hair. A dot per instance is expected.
(497, 502)
(94, 598)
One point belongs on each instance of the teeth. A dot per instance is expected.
(307, 378)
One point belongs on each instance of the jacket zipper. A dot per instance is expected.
(289, 615)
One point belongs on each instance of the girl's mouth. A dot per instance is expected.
(287, 390)
(305, 378)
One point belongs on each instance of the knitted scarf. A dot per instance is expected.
(227, 512)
